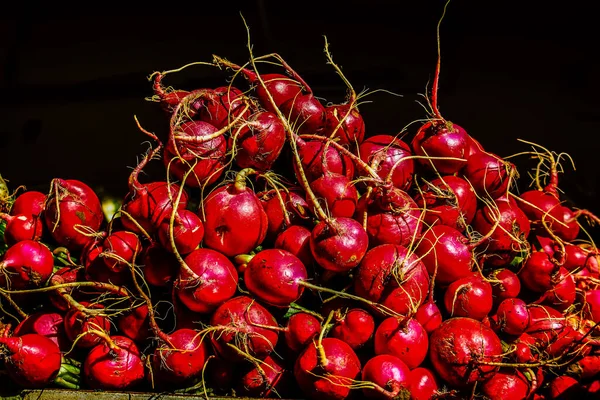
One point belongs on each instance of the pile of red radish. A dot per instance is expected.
(287, 252)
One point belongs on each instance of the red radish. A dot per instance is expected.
(538, 206)
(264, 379)
(259, 141)
(473, 147)
(167, 97)
(389, 373)
(160, 265)
(188, 148)
(593, 388)
(585, 368)
(72, 212)
(489, 174)
(234, 219)
(565, 387)
(563, 291)
(49, 324)
(243, 326)
(507, 384)
(392, 217)
(311, 155)
(512, 316)
(135, 324)
(274, 277)
(446, 249)
(294, 209)
(591, 307)
(296, 240)
(459, 350)
(469, 297)
(120, 249)
(336, 193)
(220, 106)
(30, 203)
(351, 131)
(27, 264)
(65, 275)
(21, 227)
(31, 360)
(405, 339)
(96, 266)
(422, 384)
(507, 284)
(355, 327)
(214, 281)
(391, 275)
(429, 316)
(327, 369)
(537, 272)
(305, 113)
(448, 200)
(338, 244)
(188, 232)
(441, 139)
(300, 330)
(114, 364)
(524, 349)
(568, 229)
(77, 325)
(387, 155)
(577, 257)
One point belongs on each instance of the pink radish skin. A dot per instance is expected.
(260, 142)
(311, 154)
(388, 372)
(215, 281)
(77, 325)
(49, 324)
(512, 316)
(305, 113)
(339, 244)
(587, 367)
(160, 265)
(188, 232)
(565, 215)
(422, 384)
(489, 174)
(30, 203)
(296, 209)
(355, 327)
(336, 193)
(441, 139)
(507, 385)
(459, 348)
(300, 330)
(330, 381)
(469, 297)
(384, 152)
(406, 340)
(114, 367)
(352, 130)
(274, 277)
(508, 287)
(536, 204)
(429, 316)
(21, 227)
(31, 360)
(296, 240)
(27, 264)
(281, 88)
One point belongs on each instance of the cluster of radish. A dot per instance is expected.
(284, 251)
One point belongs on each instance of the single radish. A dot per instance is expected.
(29, 203)
(563, 292)
(300, 330)
(284, 209)
(585, 368)
(49, 324)
(345, 123)
(489, 174)
(27, 264)
(354, 326)
(305, 113)
(188, 232)
(259, 141)
(264, 379)
(422, 384)
(512, 316)
(120, 249)
(21, 227)
(160, 266)
(565, 387)
(336, 193)
(78, 324)
(405, 339)
(505, 284)
(429, 316)
(221, 105)
(390, 375)
(473, 147)
(389, 156)
(32, 360)
(459, 350)
(338, 244)
(135, 324)
(507, 384)
(296, 240)
(525, 349)
(311, 156)
(445, 140)
(469, 297)
(537, 272)
(72, 211)
(591, 306)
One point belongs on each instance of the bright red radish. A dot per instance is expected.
(120, 249)
(296, 240)
(441, 139)
(160, 265)
(27, 264)
(537, 272)
(72, 212)
(459, 350)
(587, 367)
(563, 292)
(338, 244)
(31, 360)
(355, 327)
(294, 209)
(221, 105)
(591, 307)
(188, 232)
(429, 316)
(259, 141)
(390, 375)
(300, 330)
(326, 370)
(351, 131)
(469, 297)
(565, 387)
(336, 193)
(135, 324)
(311, 154)
(386, 154)
(405, 339)
(21, 227)
(512, 316)
(489, 174)
(422, 384)
(507, 284)
(49, 324)
(305, 113)
(507, 385)
(78, 324)
(30, 203)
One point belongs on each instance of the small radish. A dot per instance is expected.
(305, 113)
(489, 174)
(512, 316)
(284, 209)
(160, 266)
(351, 131)
(264, 379)
(300, 330)
(311, 156)
(387, 155)
(405, 339)
(49, 324)
(259, 141)
(188, 232)
(30, 203)
(21, 227)
(296, 240)
(469, 297)
(505, 284)
(78, 324)
(422, 384)
(429, 316)
(441, 139)
(509, 385)
(135, 324)
(565, 387)
(389, 374)
(338, 244)
(27, 264)
(354, 326)
(31, 360)
(221, 105)
(336, 193)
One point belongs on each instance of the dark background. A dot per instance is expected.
(71, 84)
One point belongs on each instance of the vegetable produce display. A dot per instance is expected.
(287, 251)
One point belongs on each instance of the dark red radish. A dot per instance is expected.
(459, 350)
(305, 113)
(565, 388)
(389, 156)
(284, 209)
(505, 284)
(593, 388)
(473, 147)
(525, 350)
(234, 219)
(78, 324)
(222, 105)
(114, 364)
(429, 316)
(585, 368)
(192, 146)
(405, 339)
(21, 227)
(568, 228)
(326, 370)
(25, 265)
(393, 276)
(338, 244)
(120, 249)
(264, 379)
(296, 240)
(49, 324)
(469, 297)
(300, 330)
(241, 325)
(311, 155)
(259, 141)
(29, 203)
(508, 384)
(32, 360)
(96, 266)
(72, 212)
(345, 123)
(551, 331)
(188, 232)
(537, 272)
(446, 249)
(538, 206)
(591, 306)
(208, 282)
(512, 316)
(562, 294)
(355, 327)
(489, 174)
(336, 193)
(580, 256)
(448, 200)
(422, 384)
(65, 275)
(160, 266)
(220, 375)
(393, 217)
(445, 140)
(135, 324)
(390, 375)
(506, 228)
(275, 277)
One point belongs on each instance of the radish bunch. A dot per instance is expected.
(285, 249)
